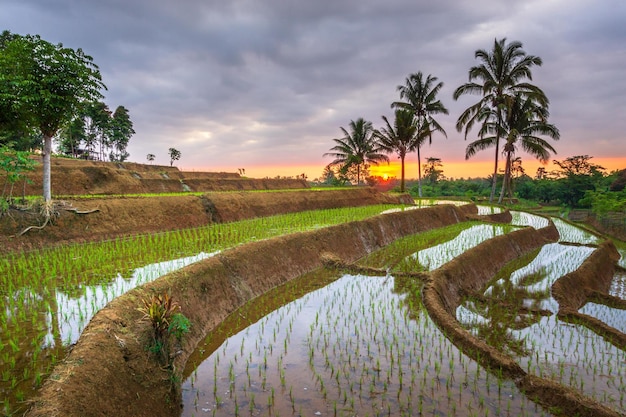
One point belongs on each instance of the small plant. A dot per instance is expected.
(179, 326)
(162, 312)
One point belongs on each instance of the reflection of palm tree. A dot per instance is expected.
(412, 289)
(505, 307)
(421, 100)
(499, 76)
(357, 148)
(400, 138)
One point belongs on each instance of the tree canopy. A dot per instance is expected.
(42, 85)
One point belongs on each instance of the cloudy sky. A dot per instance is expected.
(265, 85)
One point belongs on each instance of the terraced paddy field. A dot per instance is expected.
(334, 316)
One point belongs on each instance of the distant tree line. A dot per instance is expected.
(97, 133)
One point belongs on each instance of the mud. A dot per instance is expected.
(591, 282)
(469, 272)
(117, 217)
(112, 353)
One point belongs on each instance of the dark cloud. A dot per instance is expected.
(255, 82)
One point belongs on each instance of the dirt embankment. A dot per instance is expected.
(79, 177)
(116, 217)
(591, 283)
(112, 353)
(469, 272)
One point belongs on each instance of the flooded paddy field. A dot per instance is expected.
(364, 345)
(47, 297)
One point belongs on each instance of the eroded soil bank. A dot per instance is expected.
(591, 283)
(109, 218)
(469, 272)
(78, 177)
(110, 372)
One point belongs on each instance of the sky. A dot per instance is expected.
(265, 85)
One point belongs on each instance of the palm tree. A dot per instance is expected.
(357, 148)
(400, 138)
(421, 100)
(525, 119)
(499, 76)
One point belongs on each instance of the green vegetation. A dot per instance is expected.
(164, 315)
(49, 295)
(357, 149)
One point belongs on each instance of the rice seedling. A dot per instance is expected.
(48, 296)
(516, 313)
(357, 348)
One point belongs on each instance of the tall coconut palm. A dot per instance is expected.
(420, 97)
(526, 119)
(500, 75)
(400, 138)
(357, 148)
(523, 122)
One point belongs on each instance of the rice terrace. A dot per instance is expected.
(156, 292)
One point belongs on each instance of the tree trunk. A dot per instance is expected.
(47, 150)
(402, 177)
(507, 176)
(495, 168)
(419, 174)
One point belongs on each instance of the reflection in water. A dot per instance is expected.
(516, 313)
(359, 346)
(44, 322)
(521, 218)
(613, 317)
(485, 210)
(573, 234)
(618, 285)
(77, 308)
(432, 258)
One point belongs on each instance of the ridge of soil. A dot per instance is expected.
(111, 351)
(468, 272)
(70, 177)
(114, 217)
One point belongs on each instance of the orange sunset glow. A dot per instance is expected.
(473, 169)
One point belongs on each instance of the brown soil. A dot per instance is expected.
(470, 271)
(80, 177)
(116, 217)
(111, 355)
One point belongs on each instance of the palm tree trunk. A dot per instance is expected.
(507, 176)
(419, 173)
(494, 180)
(402, 177)
(495, 168)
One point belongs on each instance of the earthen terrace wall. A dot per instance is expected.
(208, 291)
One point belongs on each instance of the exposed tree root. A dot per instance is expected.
(50, 209)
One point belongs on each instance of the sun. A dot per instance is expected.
(385, 177)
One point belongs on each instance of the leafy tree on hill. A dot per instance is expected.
(433, 171)
(174, 155)
(45, 84)
(121, 132)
